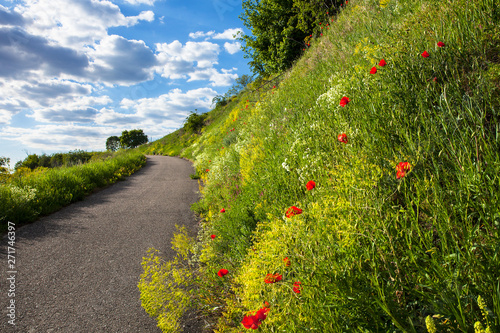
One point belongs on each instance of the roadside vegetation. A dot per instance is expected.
(35, 190)
(358, 191)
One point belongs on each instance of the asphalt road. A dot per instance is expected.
(77, 269)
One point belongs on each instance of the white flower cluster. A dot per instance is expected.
(334, 94)
(285, 165)
(22, 195)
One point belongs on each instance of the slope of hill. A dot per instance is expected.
(357, 192)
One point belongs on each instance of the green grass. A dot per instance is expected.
(373, 253)
(26, 195)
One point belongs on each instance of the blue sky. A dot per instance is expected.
(74, 72)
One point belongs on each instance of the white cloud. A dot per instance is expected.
(110, 117)
(224, 79)
(232, 48)
(205, 54)
(60, 137)
(157, 116)
(141, 2)
(75, 23)
(194, 60)
(172, 105)
(228, 34)
(81, 109)
(199, 34)
(117, 60)
(38, 93)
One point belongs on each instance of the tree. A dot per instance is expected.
(113, 143)
(31, 161)
(194, 123)
(76, 157)
(241, 83)
(44, 160)
(56, 160)
(133, 138)
(279, 29)
(219, 100)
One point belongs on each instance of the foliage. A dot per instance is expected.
(113, 143)
(194, 123)
(241, 84)
(133, 138)
(75, 157)
(165, 285)
(274, 47)
(401, 231)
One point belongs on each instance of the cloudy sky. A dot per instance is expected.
(74, 72)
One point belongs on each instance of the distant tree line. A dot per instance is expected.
(128, 139)
(34, 161)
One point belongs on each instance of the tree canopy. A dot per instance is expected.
(194, 122)
(113, 143)
(280, 29)
(133, 138)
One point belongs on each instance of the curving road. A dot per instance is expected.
(77, 269)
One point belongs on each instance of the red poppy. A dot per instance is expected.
(343, 101)
(310, 185)
(254, 321)
(440, 44)
(207, 170)
(342, 137)
(402, 168)
(250, 322)
(425, 54)
(212, 236)
(222, 272)
(296, 287)
(293, 211)
(382, 63)
(272, 278)
(262, 314)
(287, 262)
(222, 210)
(373, 70)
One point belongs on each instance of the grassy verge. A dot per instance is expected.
(26, 195)
(401, 231)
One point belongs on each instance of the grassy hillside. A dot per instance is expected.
(400, 230)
